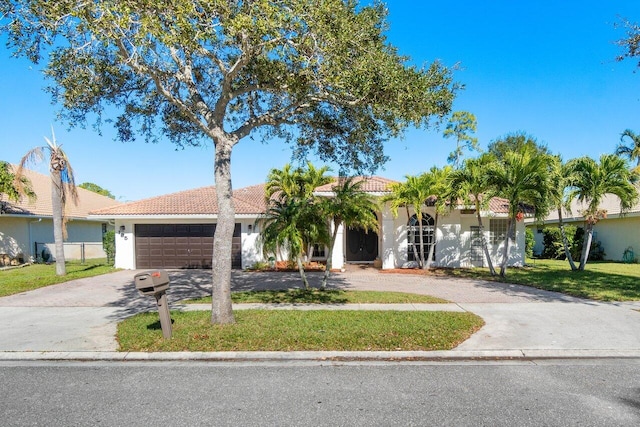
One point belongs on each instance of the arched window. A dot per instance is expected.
(413, 237)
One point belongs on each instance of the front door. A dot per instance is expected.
(361, 246)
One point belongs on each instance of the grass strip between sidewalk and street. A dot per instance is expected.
(291, 330)
(34, 276)
(329, 296)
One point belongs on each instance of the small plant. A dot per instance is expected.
(109, 245)
(45, 255)
(259, 266)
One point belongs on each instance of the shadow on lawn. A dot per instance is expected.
(190, 284)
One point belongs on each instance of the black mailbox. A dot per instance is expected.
(152, 282)
(156, 283)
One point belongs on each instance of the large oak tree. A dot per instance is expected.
(317, 73)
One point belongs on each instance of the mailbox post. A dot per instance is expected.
(156, 283)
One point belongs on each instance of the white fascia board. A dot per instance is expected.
(167, 217)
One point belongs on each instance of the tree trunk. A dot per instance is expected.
(565, 241)
(58, 223)
(586, 246)
(221, 307)
(302, 274)
(327, 268)
(432, 248)
(421, 240)
(485, 246)
(505, 254)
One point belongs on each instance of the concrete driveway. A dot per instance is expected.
(81, 315)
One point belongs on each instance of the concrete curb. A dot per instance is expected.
(321, 356)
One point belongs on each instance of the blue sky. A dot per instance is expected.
(543, 67)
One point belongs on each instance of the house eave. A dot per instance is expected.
(168, 217)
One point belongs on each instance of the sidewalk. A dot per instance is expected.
(77, 320)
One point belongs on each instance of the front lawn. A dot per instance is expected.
(601, 280)
(329, 296)
(292, 330)
(17, 280)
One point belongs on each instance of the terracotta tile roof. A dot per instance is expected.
(499, 205)
(247, 201)
(371, 184)
(199, 201)
(87, 200)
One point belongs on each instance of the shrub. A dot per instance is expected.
(529, 242)
(553, 247)
(596, 253)
(109, 245)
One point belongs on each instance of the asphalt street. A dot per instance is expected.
(551, 393)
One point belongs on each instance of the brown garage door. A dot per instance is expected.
(180, 245)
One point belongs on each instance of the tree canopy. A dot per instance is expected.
(317, 73)
(97, 189)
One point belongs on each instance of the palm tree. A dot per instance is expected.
(286, 224)
(63, 187)
(560, 180)
(411, 193)
(591, 182)
(436, 185)
(348, 206)
(9, 187)
(294, 219)
(631, 151)
(470, 185)
(521, 177)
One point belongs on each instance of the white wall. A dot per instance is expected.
(14, 236)
(19, 235)
(453, 240)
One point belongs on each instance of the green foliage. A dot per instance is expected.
(461, 126)
(518, 142)
(553, 247)
(596, 250)
(529, 242)
(109, 245)
(12, 189)
(320, 74)
(96, 189)
(630, 150)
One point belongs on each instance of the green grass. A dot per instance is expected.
(330, 296)
(601, 280)
(17, 280)
(292, 330)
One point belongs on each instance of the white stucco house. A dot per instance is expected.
(26, 227)
(616, 232)
(176, 231)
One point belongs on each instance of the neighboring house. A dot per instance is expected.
(616, 232)
(176, 231)
(26, 227)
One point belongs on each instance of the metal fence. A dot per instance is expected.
(45, 252)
